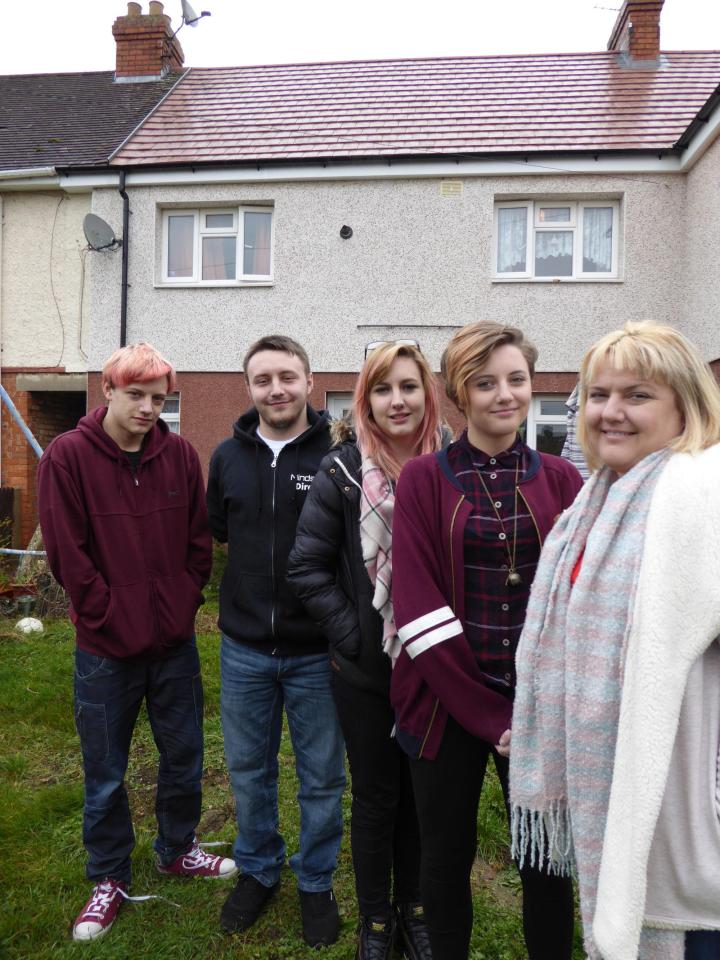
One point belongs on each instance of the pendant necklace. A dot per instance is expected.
(513, 578)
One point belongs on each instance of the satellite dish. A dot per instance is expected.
(99, 234)
(189, 16)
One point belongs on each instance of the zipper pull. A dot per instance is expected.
(272, 465)
(137, 482)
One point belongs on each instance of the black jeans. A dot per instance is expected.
(383, 827)
(447, 794)
(108, 697)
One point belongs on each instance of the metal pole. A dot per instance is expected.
(23, 553)
(5, 396)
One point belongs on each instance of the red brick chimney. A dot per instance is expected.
(145, 48)
(637, 30)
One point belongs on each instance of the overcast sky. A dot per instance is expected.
(68, 35)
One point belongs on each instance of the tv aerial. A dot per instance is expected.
(99, 234)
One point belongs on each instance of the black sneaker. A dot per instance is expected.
(320, 918)
(375, 938)
(412, 939)
(245, 904)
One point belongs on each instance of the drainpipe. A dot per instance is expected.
(125, 245)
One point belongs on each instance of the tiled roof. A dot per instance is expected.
(391, 108)
(63, 119)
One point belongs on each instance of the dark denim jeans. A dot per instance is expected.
(255, 688)
(702, 945)
(108, 697)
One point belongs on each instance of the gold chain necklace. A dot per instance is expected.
(513, 578)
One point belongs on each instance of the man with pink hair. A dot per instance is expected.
(122, 511)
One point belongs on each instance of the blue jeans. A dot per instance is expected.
(255, 687)
(108, 697)
(702, 945)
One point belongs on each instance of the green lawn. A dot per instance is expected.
(42, 883)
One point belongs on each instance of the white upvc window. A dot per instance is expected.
(546, 425)
(555, 239)
(171, 412)
(217, 246)
(338, 404)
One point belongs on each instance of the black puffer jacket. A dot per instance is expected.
(326, 569)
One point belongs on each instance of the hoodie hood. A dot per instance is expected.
(92, 429)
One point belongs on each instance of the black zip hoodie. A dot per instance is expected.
(254, 505)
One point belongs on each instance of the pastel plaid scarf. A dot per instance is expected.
(570, 663)
(377, 502)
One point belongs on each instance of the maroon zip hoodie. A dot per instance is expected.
(133, 552)
(436, 673)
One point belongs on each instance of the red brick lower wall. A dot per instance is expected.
(211, 402)
(47, 415)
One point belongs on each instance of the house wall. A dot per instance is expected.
(41, 280)
(416, 258)
(702, 307)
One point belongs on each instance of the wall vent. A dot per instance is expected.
(451, 188)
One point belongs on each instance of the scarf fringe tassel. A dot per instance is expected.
(544, 838)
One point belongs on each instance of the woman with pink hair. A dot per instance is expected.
(341, 568)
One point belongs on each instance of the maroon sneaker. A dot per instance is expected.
(196, 863)
(99, 912)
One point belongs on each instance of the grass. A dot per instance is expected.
(42, 879)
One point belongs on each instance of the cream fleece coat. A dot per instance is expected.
(676, 617)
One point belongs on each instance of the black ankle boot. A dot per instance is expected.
(375, 938)
(412, 939)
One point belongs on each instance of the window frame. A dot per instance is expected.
(335, 399)
(574, 224)
(536, 419)
(201, 230)
(172, 416)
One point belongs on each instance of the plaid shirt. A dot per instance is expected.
(495, 611)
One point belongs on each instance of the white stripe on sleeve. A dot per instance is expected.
(427, 620)
(415, 647)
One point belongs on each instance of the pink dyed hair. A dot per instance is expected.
(137, 363)
(371, 439)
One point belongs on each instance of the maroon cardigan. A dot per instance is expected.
(436, 673)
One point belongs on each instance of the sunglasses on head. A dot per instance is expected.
(376, 344)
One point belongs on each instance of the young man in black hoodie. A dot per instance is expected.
(273, 655)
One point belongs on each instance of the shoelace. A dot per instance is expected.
(103, 895)
(196, 858)
(105, 892)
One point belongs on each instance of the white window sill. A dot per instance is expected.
(557, 280)
(214, 284)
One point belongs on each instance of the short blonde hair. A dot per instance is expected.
(658, 354)
(469, 350)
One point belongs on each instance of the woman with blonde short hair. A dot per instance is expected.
(616, 729)
(468, 527)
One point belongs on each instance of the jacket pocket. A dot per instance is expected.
(177, 599)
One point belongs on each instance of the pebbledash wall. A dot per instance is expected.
(44, 330)
(701, 306)
(419, 264)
